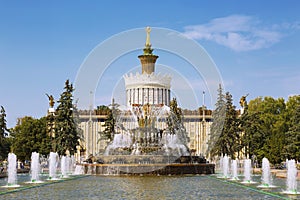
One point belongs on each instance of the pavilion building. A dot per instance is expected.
(147, 88)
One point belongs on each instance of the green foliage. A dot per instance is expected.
(264, 124)
(102, 110)
(268, 128)
(228, 141)
(66, 129)
(3, 128)
(29, 135)
(217, 126)
(292, 136)
(175, 122)
(4, 141)
(109, 127)
(110, 122)
(77, 122)
(252, 133)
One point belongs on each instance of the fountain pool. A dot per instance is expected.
(137, 187)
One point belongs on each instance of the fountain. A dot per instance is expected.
(35, 168)
(72, 163)
(224, 162)
(220, 167)
(52, 166)
(12, 171)
(291, 181)
(79, 169)
(148, 134)
(266, 175)
(234, 170)
(247, 172)
(140, 133)
(64, 167)
(149, 139)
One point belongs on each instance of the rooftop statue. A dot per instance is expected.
(243, 101)
(51, 100)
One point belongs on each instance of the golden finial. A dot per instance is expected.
(148, 30)
(147, 49)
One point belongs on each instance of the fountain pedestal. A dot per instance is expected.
(148, 164)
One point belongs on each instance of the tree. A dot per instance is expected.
(102, 110)
(226, 138)
(29, 135)
(292, 136)
(4, 144)
(250, 125)
(110, 121)
(216, 128)
(3, 127)
(229, 140)
(77, 123)
(66, 130)
(292, 145)
(175, 122)
(265, 127)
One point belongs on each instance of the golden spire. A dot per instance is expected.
(148, 59)
(147, 49)
(148, 30)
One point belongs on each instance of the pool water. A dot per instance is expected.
(141, 187)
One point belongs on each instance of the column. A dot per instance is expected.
(162, 96)
(130, 93)
(153, 95)
(169, 97)
(166, 97)
(141, 96)
(158, 96)
(128, 97)
(148, 100)
(155, 98)
(138, 95)
(150, 95)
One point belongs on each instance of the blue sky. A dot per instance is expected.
(254, 44)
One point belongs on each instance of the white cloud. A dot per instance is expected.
(239, 32)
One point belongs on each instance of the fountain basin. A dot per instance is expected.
(266, 186)
(11, 186)
(149, 164)
(234, 179)
(291, 192)
(152, 169)
(248, 182)
(34, 182)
